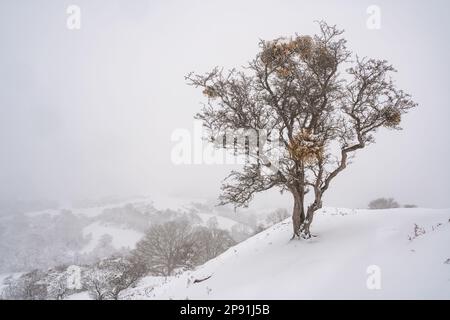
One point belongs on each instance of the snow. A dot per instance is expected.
(126, 237)
(223, 223)
(5, 276)
(84, 295)
(50, 212)
(163, 202)
(121, 238)
(332, 265)
(148, 283)
(159, 202)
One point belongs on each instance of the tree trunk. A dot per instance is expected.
(305, 229)
(298, 213)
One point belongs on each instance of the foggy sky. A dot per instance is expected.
(89, 113)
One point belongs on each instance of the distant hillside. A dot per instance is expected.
(79, 235)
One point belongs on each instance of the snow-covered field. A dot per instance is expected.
(356, 254)
(121, 237)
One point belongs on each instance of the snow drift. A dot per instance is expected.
(410, 248)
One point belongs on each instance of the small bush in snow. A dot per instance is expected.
(418, 231)
(383, 203)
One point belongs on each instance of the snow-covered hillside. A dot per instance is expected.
(120, 237)
(408, 248)
(123, 237)
(79, 235)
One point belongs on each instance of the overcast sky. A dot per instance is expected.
(89, 113)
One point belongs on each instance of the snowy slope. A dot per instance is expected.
(332, 265)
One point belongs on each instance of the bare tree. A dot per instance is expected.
(57, 284)
(210, 242)
(305, 100)
(212, 223)
(29, 286)
(110, 276)
(166, 247)
(125, 272)
(96, 282)
(240, 232)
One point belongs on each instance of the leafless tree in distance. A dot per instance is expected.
(166, 247)
(383, 203)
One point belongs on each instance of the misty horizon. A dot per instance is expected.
(85, 113)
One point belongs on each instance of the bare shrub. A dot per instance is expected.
(383, 203)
